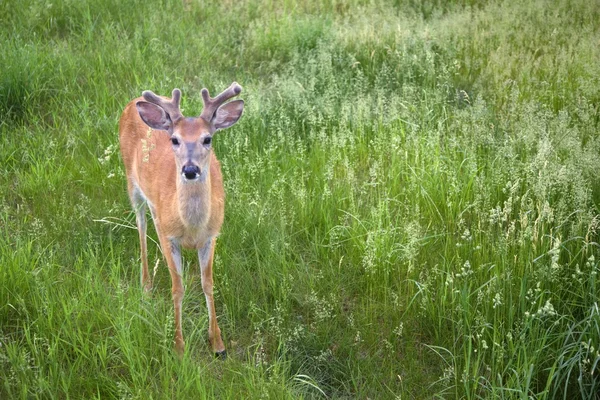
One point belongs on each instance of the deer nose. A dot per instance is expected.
(190, 171)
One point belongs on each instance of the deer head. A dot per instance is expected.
(191, 137)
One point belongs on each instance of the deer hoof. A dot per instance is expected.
(221, 355)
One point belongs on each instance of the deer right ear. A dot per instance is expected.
(154, 116)
(228, 114)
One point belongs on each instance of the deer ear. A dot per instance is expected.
(228, 114)
(154, 116)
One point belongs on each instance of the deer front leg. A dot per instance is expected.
(140, 218)
(205, 256)
(172, 253)
(138, 201)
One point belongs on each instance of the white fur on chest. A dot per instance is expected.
(194, 210)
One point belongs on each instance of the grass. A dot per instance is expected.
(412, 200)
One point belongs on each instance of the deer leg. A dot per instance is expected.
(172, 253)
(139, 205)
(140, 218)
(205, 256)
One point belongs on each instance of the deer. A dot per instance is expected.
(172, 169)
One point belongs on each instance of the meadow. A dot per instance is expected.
(412, 200)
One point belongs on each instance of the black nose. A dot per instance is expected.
(190, 171)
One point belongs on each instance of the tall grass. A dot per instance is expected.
(412, 200)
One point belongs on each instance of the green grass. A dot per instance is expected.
(413, 200)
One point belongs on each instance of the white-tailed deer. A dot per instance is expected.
(172, 168)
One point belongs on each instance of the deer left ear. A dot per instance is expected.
(228, 114)
(154, 116)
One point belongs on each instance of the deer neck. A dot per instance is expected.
(193, 201)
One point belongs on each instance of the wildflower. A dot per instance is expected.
(546, 310)
(497, 301)
(399, 329)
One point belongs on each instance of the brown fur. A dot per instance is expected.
(189, 213)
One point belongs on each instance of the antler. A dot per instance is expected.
(171, 107)
(212, 104)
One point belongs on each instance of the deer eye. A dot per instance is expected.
(207, 140)
(175, 141)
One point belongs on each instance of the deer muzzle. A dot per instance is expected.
(190, 172)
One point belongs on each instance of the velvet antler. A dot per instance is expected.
(212, 104)
(170, 106)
